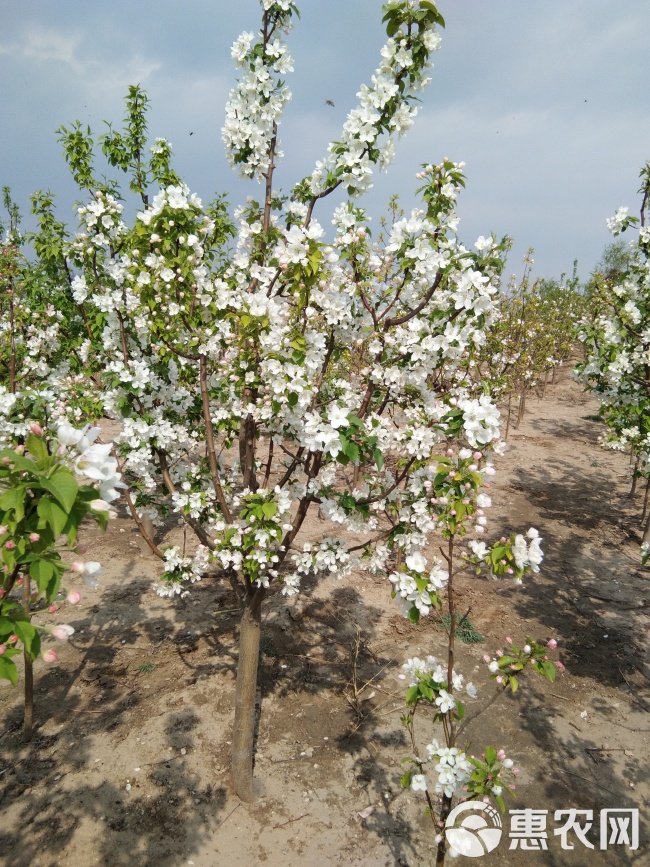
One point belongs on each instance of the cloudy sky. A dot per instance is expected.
(546, 102)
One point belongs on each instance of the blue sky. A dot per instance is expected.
(546, 102)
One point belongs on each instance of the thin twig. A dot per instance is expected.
(228, 816)
(289, 821)
(587, 780)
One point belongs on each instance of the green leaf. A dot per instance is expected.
(8, 670)
(378, 458)
(41, 571)
(490, 755)
(414, 614)
(405, 780)
(19, 462)
(292, 399)
(269, 509)
(63, 486)
(350, 449)
(549, 670)
(412, 694)
(36, 447)
(392, 27)
(437, 17)
(29, 636)
(50, 511)
(14, 500)
(514, 684)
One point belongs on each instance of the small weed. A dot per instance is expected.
(266, 647)
(592, 418)
(146, 667)
(464, 629)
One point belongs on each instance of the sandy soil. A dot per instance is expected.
(129, 765)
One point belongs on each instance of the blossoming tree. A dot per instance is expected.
(616, 337)
(297, 370)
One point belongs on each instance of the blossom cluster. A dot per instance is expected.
(385, 107)
(256, 104)
(616, 338)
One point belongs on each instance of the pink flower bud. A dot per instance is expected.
(35, 428)
(559, 665)
(13, 639)
(501, 755)
(34, 537)
(73, 597)
(499, 653)
(3, 647)
(478, 456)
(552, 644)
(499, 679)
(450, 453)
(487, 658)
(49, 656)
(10, 545)
(19, 450)
(62, 632)
(515, 771)
(78, 566)
(3, 529)
(508, 639)
(53, 609)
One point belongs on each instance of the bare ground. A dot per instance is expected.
(129, 764)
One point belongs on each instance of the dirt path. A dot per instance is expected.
(130, 762)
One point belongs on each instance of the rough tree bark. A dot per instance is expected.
(250, 633)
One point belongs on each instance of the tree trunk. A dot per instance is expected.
(646, 532)
(28, 727)
(250, 632)
(634, 463)
(522, 408)
(445, 810)
(645, 500)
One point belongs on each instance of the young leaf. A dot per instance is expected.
(50, 511)
(269, 509)
(36, 447)
(8, 670)
(29, 636)
(63, 486)
(41, 571)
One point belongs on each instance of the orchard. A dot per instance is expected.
(293, 418)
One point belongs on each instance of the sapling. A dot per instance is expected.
(616, 335)
(287, 371)
(42, 502)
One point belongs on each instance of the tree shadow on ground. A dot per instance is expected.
(132, 828)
